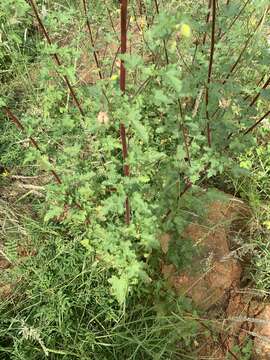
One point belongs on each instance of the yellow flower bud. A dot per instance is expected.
(114, 77)
(185, 30)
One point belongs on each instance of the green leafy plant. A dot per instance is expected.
(187, 111)
(187, 106)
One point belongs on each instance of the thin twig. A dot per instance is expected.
(256, 123)
(164, 42)
(231, 72)
(110, 17)
(183, 129)
(259, 93)
(243, 50)
(234, 20)
(92, 40)
(114, 60)
(207, 20)
(56, 57)
(20, 126)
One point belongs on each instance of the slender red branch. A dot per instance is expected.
(207, 20)
(110, 17)
(235, 19)
(123, 44)
(259, 93)
(92, 40)
(114, 60)
(212, 41)
(257, 85)
(210, 70)
(123, 135)
(242, 51)
(184, 133)
(20, 126)
(231, 72)
(256, 123)
(56, 57)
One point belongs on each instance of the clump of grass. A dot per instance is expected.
(62, 307)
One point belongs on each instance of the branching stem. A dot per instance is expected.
(92, 40)
(56, 57)
(256, 123)
(13, 118)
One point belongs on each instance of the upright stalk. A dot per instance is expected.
(92, 40)
(123, 136)
(56, 57)
(207, 20)
(210, 70)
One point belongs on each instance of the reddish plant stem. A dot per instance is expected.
(230, 73)
(110, 17)
(92, 40)
(187, 186)
(114, 60)
(257, 85)
(259, 93)
(123, 135)
(184, 132)
(237, 61)
(210, 71)
(20, 126)
(234, 20)
(242, 51)
(207, 20)
(56, 57)
(256, 123)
